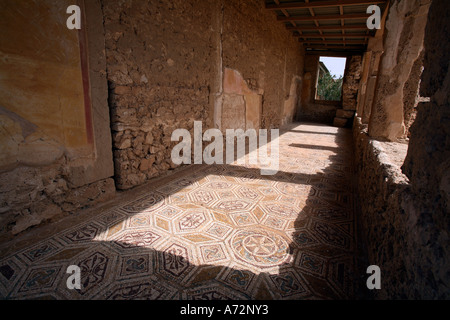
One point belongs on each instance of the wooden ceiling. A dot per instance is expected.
(327, 27)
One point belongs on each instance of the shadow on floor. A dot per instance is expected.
(154, 248)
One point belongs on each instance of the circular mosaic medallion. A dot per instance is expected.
(259, 245)
(260, 248)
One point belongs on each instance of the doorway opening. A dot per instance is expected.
(330, 78)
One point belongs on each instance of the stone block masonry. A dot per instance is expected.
(104, 101)
(350, 92)
(351, 83)
(400, 237)
(160, 67)
(169, 64)
(404, 189)
(56, 155)
(142, 136)
(399, 69)
(31, 196)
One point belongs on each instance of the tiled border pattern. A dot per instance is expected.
(223, 232)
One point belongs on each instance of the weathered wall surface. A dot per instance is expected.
(405, 210)
(164, 67)
(427, 164)
(53, 159)
(292, 104)
(229, 64)
(350, 85)
(310, 109)
(411, 95)
(403, 44)
(410, 247)
(160, 64)
(383, 222)
(241, 107)
(350, 92)
(369, 73)
(269, 59)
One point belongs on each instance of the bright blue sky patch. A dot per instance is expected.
(335, 65)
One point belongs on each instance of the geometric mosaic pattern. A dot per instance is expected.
(211, 232)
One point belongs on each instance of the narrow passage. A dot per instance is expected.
(210, 232)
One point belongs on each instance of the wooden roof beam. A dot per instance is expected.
(314, 28)
(335, 47)
(334, 41)
(348, 35)
(311, 12)
(286, 14)
(321, 4)
(325, 17)
(335, 53)
(341, 12)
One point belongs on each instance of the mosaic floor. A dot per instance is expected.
(215, 232)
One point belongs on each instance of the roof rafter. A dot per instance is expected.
(321, 4)
(337, 47)
(309, 21)
(325, 17)
(311, 11)
(334, 41)
(348, 35)
(337, 27)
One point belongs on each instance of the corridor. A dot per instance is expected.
(208, 232)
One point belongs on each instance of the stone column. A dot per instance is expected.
(403, 43)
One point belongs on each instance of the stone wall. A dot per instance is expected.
(410, 247)
(160, 64)
(311, 109)
(350, 92)
(411, 95)
(403, 44)
(427, 164)
(269, 59)
(118, 88)
(350, 84)
(368, 83)
(383, 223)
(405, 209)
(369, 72)
(56, 156)
(340, 112)
(228, 64)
